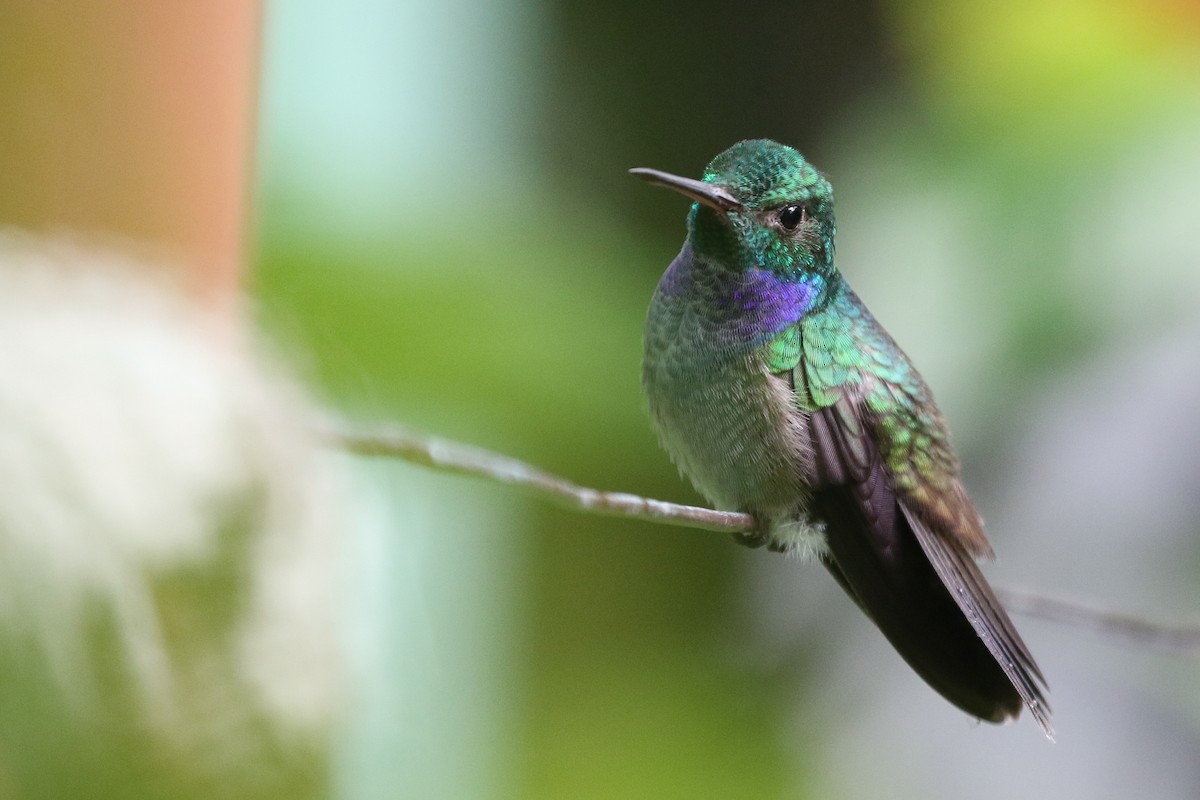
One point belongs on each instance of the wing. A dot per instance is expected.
(902, 532)
(850, 351)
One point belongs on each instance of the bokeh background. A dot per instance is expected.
(444, 236)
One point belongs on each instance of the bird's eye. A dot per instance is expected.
(790, 217)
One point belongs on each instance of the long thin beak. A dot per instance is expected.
(707, 193)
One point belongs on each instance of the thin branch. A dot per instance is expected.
(1184, 639)
(464, 459)
(477, 462)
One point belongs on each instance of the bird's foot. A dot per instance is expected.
(753, 538)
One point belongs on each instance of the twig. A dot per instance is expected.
(464, 459)
(1183, 639)
(477, 462)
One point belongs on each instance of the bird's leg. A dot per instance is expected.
(756, 538)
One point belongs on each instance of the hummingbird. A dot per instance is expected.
(776, 392)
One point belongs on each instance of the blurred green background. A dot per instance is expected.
(447, 238)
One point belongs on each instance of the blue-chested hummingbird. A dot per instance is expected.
(778, 394)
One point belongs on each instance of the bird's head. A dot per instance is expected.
(760, 205)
